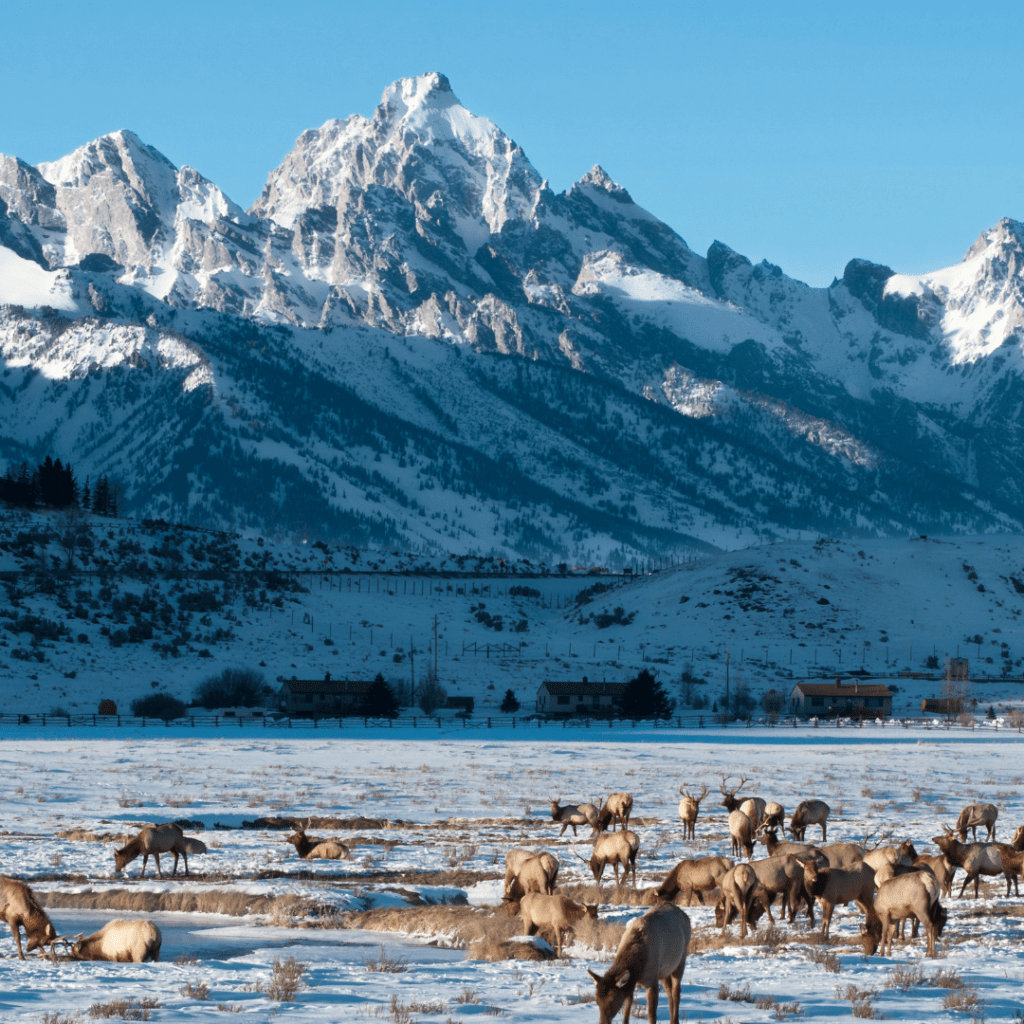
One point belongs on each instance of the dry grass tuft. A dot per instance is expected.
(861, 1001)
(231, 1007)
(948, 977)
(286, 980)
(200, 990)
(384, 964)
(126, 1009)
(496, 950)
(467, 997)
(905, 977)
(57, 1017)
(186, 959)
(737, 995)
(827, 959)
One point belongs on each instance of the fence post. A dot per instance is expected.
(143, 721)
(488, 721)
(700, 721)
(414, 721)
(439, 721)
(44, 719)
(513, 721)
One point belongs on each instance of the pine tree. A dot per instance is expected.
(510, 705)
(644, 697)
(86, 495)
(101, 496)
(380, 701)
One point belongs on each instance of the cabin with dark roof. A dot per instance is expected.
(870, 700)
(555, 697)
(318, 698)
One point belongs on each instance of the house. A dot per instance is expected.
(942, 705)
(460, 705)
(314, 698)
(854, 698)
(582, 698)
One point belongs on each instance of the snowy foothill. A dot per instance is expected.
(429, 818)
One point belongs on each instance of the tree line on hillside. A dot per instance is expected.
(52, 484)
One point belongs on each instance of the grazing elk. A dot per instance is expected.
(939, 867)
(738, 886)
(778, 847)
(653, 949)
(1011, 860)
(617, 808)
(974, 815)
(774, 815)
(809, 812)
(20, 909)
(130, 942)
(781, 876)
(741, 831)
(914, 894)
(693, 876)
(555, 915)
(617, 849)
(312, 848)
(537, 873)
(573, 815)
(846, 885)
(154, 840)
(976, 859)
(689, 807)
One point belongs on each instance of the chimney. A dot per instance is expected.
(327, 677)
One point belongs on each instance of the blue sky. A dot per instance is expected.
(800, 133)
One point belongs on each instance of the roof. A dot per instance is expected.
(328, 686)
(584, 689)
(843, 689)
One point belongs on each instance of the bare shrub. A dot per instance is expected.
(905, 977)
(782, 1011)
(1015, 719)
(861, 1001)
(737, 995)
(948, 977)
(231, 1007)
(57, 1017)
(286, 980)
(467, 997)
(774, 938)
(184, 959)
(827, 959)
(965, 999)
(126, 1009)
(200, 990)
(384, 964)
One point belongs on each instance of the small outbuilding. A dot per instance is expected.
(872, 700)
(315, 698)
(558, 697)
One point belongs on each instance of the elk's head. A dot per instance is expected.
(729, 799)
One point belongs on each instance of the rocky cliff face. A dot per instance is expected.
(640, 395)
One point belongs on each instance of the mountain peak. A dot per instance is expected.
(1005, 230)
(599, 178)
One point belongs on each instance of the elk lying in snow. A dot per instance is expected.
(554, 915)
(129, 942)
(741, 831)
(617, 808)
(653, 949)
(975, 858)
(312, 848)
(809, 812)
(154, 840)
(617, 849)
(974, 815)
(689, 807)
(693, 876)
(739, 886)
(535, 872)
(20, 909)
(914, 894)
(573, 815)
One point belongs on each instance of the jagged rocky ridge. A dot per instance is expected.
(410, 339)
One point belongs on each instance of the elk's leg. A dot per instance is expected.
(16, 932)
(652, 1004)
(627, 1006)
(145, 858)
(615, 868)
(967, 879)
(826, 917)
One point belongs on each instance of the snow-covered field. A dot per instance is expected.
(453, 807)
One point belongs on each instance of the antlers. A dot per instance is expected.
(696, 799)
(731, 792)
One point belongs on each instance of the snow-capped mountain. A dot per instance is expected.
(409, 321)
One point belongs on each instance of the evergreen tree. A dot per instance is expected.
(510, 705)
(101, 496)
(380, 701)
(644, 697)
(55, 483)
(86, 495)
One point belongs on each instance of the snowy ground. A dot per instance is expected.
(459, 804)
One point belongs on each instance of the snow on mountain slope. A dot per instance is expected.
(25, 283)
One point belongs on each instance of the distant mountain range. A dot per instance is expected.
(411, 341)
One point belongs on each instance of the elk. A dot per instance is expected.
(689, 876)
(311, 848)
(729, 799)
(774, 815)
(689, 807)
(131, 942)
(20, 909)
(974, 815)
(573, 814)
(975, 858)
(739, 885)
(845, 885)
(555, 915)
(1018, 838)
(154, 840)
(617, 808)
(741, 831)
(940, 868)
(809, 812)
(653, 949)
(1011, 860)
(903, 896)
(777, 847)
(537, 873)
(615, 848)
(781, 876)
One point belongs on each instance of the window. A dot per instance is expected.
(817, 702)
(563, 700)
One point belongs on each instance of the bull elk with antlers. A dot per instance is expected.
(689, 808)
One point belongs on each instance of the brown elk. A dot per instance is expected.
(739, 886)
(778, 847)
(312, 848)
(617, 808)
(1011, 860)
(120, 942)
(693, 876)
(975, 858)
(689, 808)
(20, 909)
(153, 840)
(729, 799)
(537, 873)
(914, 894)
(555, 915)
(974, 815)
(1018, 838)
(573, 815)
(774, 815)
(809, 812)
(846, 885)
(617, 849)
(653, 949)
(741, 831)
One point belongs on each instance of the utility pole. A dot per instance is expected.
(412, 672)
(727, 657)
(435, 646)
